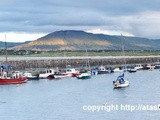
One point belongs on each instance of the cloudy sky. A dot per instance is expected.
(23, 20)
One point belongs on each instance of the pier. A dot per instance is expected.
(22, 63)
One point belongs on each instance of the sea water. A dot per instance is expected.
(91, 99)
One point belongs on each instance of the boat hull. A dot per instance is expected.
(84, 76)
(4, 81)
(103, 72)
(75, 74)
(44, 76)
(131, 71)
(33, 78)
(58, 76)
(126, 84)
(29, 76)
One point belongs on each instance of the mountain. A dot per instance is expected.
(80, 40)
(9, 44)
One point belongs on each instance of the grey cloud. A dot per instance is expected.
(51, 15)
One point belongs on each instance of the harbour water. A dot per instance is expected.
(65, 99)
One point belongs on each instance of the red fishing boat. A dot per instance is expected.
(12, 80)
(16, 78)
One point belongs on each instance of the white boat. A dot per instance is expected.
(30, 76)
(84, 76)
(46, 73)
(150, 67)
(138, 66)
(117, 70)
(120, 82)
(118, 85)
(71, 71)
(60, 75)
(68, 73)
(132, 69)
(102, 70)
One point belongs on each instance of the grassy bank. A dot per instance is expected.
(80, 53)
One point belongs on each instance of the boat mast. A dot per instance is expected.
(6, 55)
(65, 58)
(123, 53)
(87, 62)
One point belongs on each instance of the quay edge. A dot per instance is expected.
(23, 63)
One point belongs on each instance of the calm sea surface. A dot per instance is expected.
(64, 99)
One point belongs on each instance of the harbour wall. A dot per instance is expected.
(24, 63)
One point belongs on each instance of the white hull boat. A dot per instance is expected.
(46, 73)
(118, 85)
(61, 75)
(30, 76)
(138, 67)
(117, 70)
(70, 71)
(120, 82)
(84, 76)
(132, 70)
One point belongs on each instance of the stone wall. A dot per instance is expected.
(61, 63)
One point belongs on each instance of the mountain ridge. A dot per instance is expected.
(80, 40)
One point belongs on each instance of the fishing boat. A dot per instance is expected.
(58, 75)
(84, 76)
(115, 70)
(132, 69)
(46, 73)
(61, 75)
(157, 66)
(138, 66)
(85, 73)
(16, 77)
(9, 80)
(102, 70)
(120, 82)
(71, 71)
(30, 76)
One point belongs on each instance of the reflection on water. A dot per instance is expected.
(64, 99)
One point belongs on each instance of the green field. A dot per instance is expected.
(79, 53)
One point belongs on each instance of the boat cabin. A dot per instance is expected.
(138, 66)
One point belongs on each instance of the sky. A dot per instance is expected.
(23, 20)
